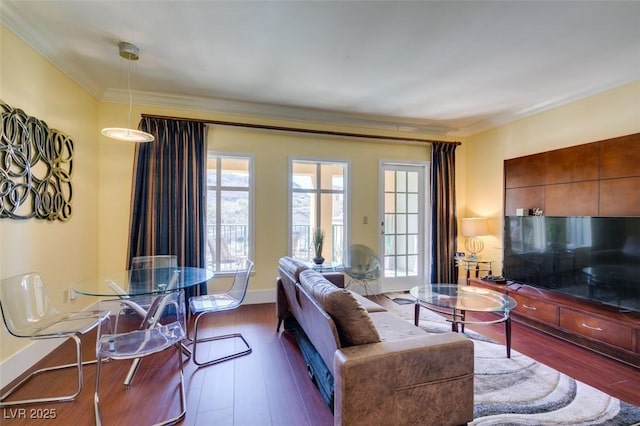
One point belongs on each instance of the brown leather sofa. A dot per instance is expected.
(384, 370)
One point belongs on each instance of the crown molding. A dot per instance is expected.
(511, 117)
(25, 30)
(280, 112)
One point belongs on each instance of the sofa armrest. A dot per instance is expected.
(424, 380)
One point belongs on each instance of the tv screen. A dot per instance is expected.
(595, 258)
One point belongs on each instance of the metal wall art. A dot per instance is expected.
(35, 168)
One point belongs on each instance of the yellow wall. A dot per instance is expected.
(271, 151)
(62, 252)
(609, 114)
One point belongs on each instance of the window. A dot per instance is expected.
(229, 210)
(318, 196)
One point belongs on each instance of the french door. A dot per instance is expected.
(402, 242)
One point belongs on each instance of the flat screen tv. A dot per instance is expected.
(595, 258)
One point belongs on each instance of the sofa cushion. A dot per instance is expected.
(293, 266)
(392, 328)
(351, 318)
(369, 305)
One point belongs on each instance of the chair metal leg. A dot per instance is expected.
(172, 420)
(65, 398)
(132, 372)
(363, 283)
(183, 398)
(196, 341)
(96, 394)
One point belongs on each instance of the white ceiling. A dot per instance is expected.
(443, 67)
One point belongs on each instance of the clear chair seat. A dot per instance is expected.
(62, 324)
(212, 302)
(136, 344)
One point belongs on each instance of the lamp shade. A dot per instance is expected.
(475, 227)
(127, 135)
(129, 52)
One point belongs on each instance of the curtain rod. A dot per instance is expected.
(297, 129)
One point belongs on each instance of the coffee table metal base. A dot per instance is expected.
(458, 320)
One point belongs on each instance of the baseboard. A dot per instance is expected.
(25, 358)
(255, 297)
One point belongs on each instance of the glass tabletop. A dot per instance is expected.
(141, 281)
(464, 297)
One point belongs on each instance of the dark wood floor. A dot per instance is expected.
(268, 387)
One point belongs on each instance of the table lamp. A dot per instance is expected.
(472, 228)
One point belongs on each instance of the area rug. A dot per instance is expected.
(522, 391)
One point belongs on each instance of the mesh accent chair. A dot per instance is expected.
(164, 327)
(28, 313)
(362, 266)
(202, 306)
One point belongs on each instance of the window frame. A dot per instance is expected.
(219, 156)
(318, 192)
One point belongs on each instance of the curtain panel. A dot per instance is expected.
(444, 231)
(168, 200)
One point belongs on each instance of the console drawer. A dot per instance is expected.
(597, 328)
(536, 309)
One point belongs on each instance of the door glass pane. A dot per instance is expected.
(412, 244)
(390, 265)
(389, 203)
(412, 265)
(401, 244)
(389, 181)
(401, 266)
(401, 203)
(401, 181)
(389, 244)
(390, 224)
(412, 224)
(412, 182)
(412, 203)
(401, 225)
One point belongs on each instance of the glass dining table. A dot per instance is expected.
(152, 282)
(137, 282)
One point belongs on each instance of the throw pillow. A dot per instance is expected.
(352, 320)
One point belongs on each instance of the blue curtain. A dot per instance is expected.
(168, 200)
(444, 228)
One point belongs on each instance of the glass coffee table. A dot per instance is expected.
(454, 301)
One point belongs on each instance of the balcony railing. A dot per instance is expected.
(302, 243)
(234, 245)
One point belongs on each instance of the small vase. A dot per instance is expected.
(318, 260)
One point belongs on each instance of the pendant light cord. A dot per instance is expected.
(129, 89)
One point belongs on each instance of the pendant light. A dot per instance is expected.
(129, 52)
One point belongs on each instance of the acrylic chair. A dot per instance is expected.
(28, 313)
(362, 266)
(140, 266)
(164, 327)
(203, 306)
